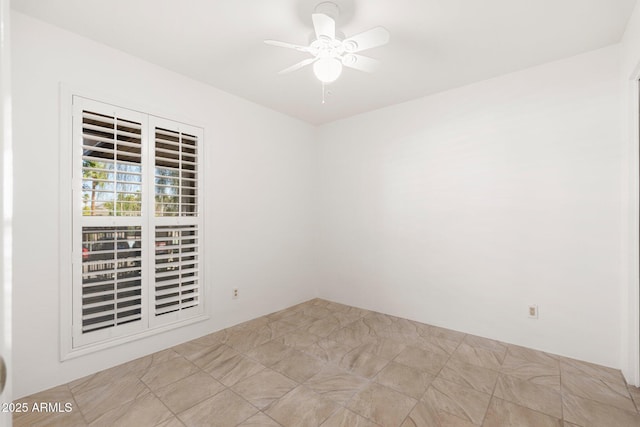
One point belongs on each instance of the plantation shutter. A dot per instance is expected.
(111, 277)
(108, 254)
(176, 175)
(177, 222)
(111, 165)
(137, 228)
(176, 259)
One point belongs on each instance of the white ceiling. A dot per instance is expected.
(435, 44)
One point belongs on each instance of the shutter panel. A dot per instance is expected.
(176, 174)
(109, 294)
(177, 284)
(111, 165)
(111, 277)
(177, 292)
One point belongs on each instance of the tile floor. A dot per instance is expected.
(326, 364)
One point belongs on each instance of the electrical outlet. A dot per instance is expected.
(533, 311)
(234, 293)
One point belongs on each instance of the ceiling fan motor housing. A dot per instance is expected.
(328, 8)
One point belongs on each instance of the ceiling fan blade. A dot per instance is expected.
(287, 45)
(366, 40)
(297, 66)
(324, 25)
(360, 63)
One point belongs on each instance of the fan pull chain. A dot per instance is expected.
(323, 91)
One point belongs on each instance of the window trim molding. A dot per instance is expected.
(65, 223)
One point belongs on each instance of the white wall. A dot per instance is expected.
(259, 170)
(630, 298)
(462, 208)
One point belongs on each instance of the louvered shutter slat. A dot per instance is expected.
(98, 315)
(109, 120)
(165, 310)
(95, 284)
(97, 326)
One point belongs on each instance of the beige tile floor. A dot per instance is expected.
(326, 364)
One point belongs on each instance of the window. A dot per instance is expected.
(137, 229)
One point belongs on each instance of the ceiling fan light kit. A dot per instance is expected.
(330, 54)
(327, 70)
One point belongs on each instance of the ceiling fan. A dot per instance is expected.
(329, 52)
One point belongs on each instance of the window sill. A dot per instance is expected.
(93, 348)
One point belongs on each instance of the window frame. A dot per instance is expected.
(70, 203)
